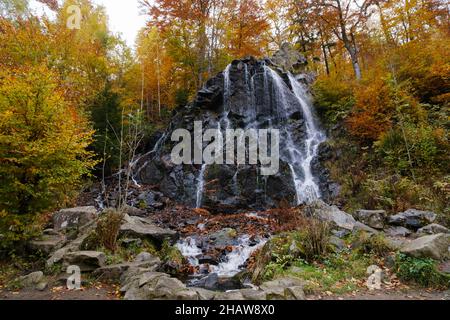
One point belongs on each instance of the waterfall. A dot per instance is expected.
(314, 139)
(283, 102)
(223, 119)
(200, 186)
(300, 159)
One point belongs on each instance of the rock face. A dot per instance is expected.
(73, 218)
(412, 219)
(250, 94)
(144, 228)
(434, 246)
(373, 218)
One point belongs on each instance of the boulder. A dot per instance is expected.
(73, 218)
(31, 281)
(143, 257)
(252, 294)
(144, 228)
(223, 238)
(235, 295)
(86, 260)
(434, 246)
(373, 218)
(338, 244)
(433, 228)
(147, 285)
(398, 232)
(283, 289)
(46, 244)
(412, 219)
(333, 215)
(362, 227)
(134, 212)
(115, 272)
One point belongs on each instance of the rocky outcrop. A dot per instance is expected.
(434, 246)
(250, 101)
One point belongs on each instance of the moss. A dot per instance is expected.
(171, 253)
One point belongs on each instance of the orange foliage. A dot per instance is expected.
(371, 115)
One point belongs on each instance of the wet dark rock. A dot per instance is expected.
(207, 259)
(231, 188)
(412, 219)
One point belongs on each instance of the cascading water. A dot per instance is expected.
(300, 160)
(231, 263)
(308, 187)
(223, 121)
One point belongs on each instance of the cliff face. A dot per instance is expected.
(249, 94)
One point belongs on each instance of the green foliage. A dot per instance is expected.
(413, 147)
(333, 100)
(421, 271)
(171, 253)
(43, 150)
(106, 117)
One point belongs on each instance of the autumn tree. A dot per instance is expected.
(43, 149)
(345, 17)
(246, 29)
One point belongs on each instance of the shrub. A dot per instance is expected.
(43, 150)
(108, 227)
(421, 271)
(314, 239)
